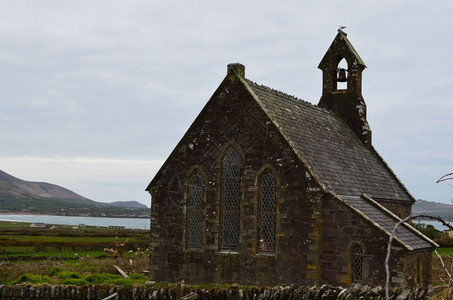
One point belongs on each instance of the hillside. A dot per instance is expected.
(445, 211)
(17, 195)
(11, 186)
(129, 204)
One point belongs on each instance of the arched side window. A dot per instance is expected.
(195, 211)
(357, 264)
(231, 200)
(267, 212)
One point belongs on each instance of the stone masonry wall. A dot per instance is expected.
(343, 229)
(176, 292)
(402, 210)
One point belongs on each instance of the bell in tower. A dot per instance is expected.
(342, 75)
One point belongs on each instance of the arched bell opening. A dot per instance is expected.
(342, 74)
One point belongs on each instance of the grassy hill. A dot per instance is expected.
(20, 196)
(445, 211)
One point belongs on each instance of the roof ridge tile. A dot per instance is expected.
(286, 95)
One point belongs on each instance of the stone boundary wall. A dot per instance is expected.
(234, 292)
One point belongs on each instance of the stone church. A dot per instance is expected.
(267, 189)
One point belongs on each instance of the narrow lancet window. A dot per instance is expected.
(231, 200)
(267, 212)
(357, 263)
(195, 211)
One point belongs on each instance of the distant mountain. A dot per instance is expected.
(17, 195)
(11, 186)
(129, 204)
(445, 211)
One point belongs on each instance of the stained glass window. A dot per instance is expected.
(356, 263)
(195, 211)
(231, 200)
(267, 212)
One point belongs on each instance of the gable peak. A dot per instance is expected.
(340, 48)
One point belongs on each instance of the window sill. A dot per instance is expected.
(228, 252)
(265, 254)
(194, 249)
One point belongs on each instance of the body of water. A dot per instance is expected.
(134, 223)
(438, 225)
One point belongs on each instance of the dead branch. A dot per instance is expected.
(439, 219)
(387, 258)
(389, 247)
(445, 177)
(445, 268)
(117, 253)
(112, 252)
(120, 246)
(121, 271)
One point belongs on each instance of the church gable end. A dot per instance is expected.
(234, 168)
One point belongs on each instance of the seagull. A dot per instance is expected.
(341, 27)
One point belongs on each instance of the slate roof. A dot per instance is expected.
(327, 145)
(386, 221)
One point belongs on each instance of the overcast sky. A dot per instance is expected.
(96, 94)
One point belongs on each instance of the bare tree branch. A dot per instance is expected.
(448, 176)
(445, 177)
(387, 258)
(389, 248)
(446, 224)
(445, 268)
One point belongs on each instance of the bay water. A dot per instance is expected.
(437, 225)
(133, 223)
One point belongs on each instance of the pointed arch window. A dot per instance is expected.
(195, 211)
(267, 212)
(231, 200)
(357, 264)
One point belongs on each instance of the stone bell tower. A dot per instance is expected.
(348, 103)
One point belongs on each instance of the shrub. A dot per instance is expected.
(64, 274)
(428, 230)
(53, 271)
(89, 268)
(101, 278)
(445, 241)
(33, 279)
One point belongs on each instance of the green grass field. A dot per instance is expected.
(63, 239)
(18, 240)
(444, 252)
(8, 225)
(69, 256)
(24, 252)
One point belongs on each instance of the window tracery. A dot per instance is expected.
(230, 203)
(357, 263)
(195, 211)
(267, 212)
